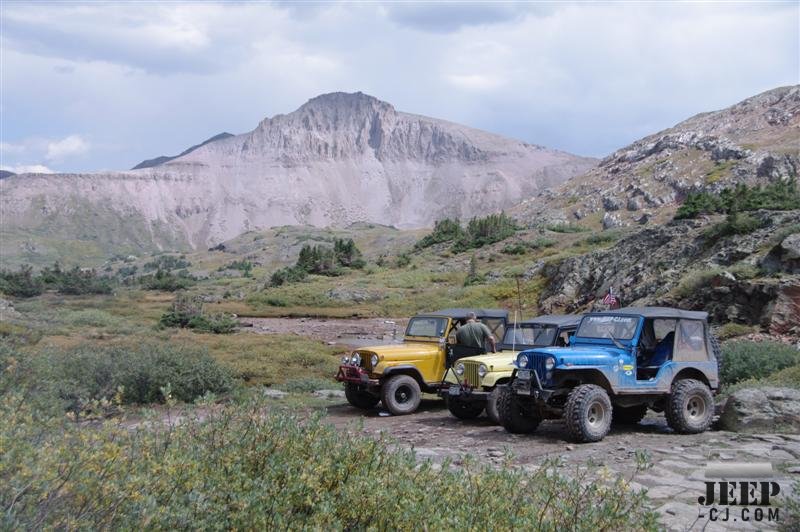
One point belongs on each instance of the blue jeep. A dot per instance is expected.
(619, 364)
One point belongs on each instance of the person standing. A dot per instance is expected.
(475, 334)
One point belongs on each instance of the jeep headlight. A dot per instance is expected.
(522, 361)
(482, 370)
(550, 363)
(459, 369)
(346, 360)
(374, 360)
(355, 359)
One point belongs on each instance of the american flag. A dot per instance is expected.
(610, 299)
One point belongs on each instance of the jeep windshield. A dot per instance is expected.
(608, 327)
(426, 327)
(532, 335)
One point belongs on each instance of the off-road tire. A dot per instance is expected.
(491, 404)
(628, 415)
(360, 398)
(463, 409)
(690, 407)
(401, 395)
(511, 415)
(588, 413)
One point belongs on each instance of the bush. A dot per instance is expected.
(484, 231)
(80, 376)
(515, 249)
(21, 284)
(745, 360)
(543, 242)
(446, 230)
(167, 263)
(565, 228)
(241, 469)
(244, 266)
(732, 330)
(693, 281)
(167, 281)
(77, 281)
(285, 276)
(187, 312)
(734, 224)
(779, 196)
(403, 260)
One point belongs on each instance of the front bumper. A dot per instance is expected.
(527, 383)
(355, 375)
(464, 393)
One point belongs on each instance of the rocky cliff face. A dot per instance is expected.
(755, 141)
(748, 279)
(338, 159)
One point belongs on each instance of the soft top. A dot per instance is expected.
(460, 313)
(657, 312)
(559, 320)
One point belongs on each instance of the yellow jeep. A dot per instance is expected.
(474, 383)
(398, 374)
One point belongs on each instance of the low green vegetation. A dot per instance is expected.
(239, 468)
(244, 266)
(734, 224)
(743, 360)
(478, 233)
(167, 281)
(732, 330)
(779, 196)
(75, 281)
(167, 263)
(187, 312)
(321, 260)
(566, 227)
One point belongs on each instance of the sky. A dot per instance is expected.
(96, 86)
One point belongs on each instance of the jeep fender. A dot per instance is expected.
(582, 375)
(411, 371)
(695, 373)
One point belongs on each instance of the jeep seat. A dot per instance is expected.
(648, 369)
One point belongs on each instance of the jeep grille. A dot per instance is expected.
(538, 364)
(471, 373)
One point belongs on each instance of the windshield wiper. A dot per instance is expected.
(616, 342)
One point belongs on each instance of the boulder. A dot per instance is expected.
(610, 221)
(7, 310)
(329, 394)
(762, 409)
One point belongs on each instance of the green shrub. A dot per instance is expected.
(244, 266)
(167, 281)
(543, 242)
(446, 230)
(734, 224)
(21, 283)
(732, 330)
(285, 276)
(133, 374)
(403, 260)
(597, 239)
(566, 227)
(76, 281)
(167, 263)
(693, 281)
(484, 231)
(187, 312)
(241, 469)
(745, 360)
(515, 249)
(779, 196)
(276, 302)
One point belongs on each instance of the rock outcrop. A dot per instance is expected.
(752, 142)
(762, 410)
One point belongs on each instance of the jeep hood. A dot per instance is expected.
(404, 351)
(495, 361)
(580, 356)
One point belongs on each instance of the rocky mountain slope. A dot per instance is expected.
(755, 141)
(340, 158)
(156, 161)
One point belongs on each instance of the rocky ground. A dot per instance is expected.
(674, 482)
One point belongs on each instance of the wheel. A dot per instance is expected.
(629, 415)
(464, 409)
(401, 395)
(491, 404)
(359, 398)
(511, 414)
(588, 413)
(690, 407)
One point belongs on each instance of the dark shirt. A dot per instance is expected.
(473, 334)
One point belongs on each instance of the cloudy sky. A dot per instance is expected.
(92, 86)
